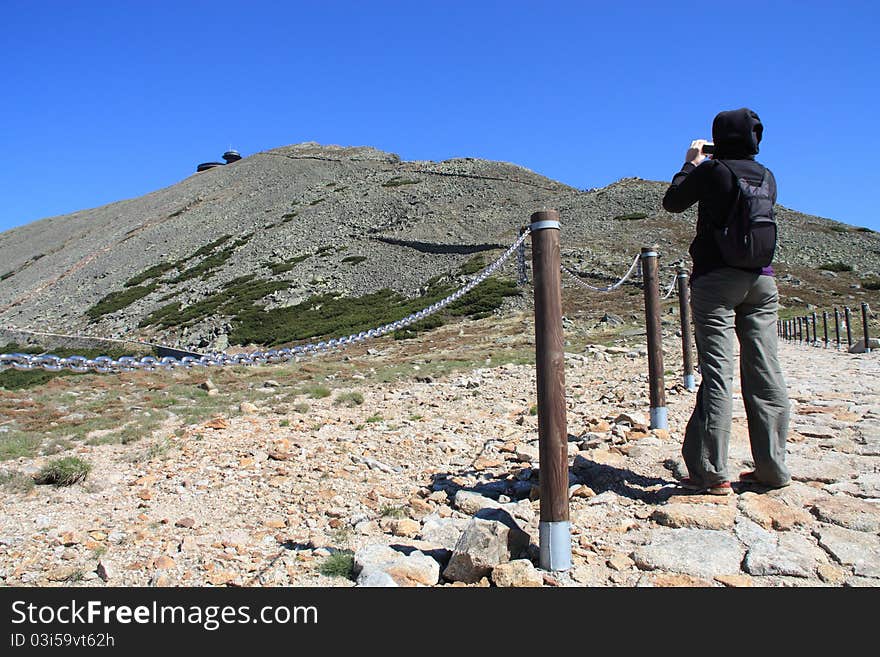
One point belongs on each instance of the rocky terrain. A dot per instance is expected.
(429, 477)
(411, 461)
(308, 220)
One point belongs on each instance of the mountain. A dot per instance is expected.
(309, 240)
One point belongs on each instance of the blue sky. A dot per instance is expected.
(104, 101)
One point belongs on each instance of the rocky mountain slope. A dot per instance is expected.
(200, 264)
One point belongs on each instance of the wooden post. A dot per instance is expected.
(554, 528)
(848, 329)
(800, 330)
(815, 330)
(865, 326)
(825, 326)
(687, 331)
(651, 283)
(837, 328)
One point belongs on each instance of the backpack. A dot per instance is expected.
(747, 240)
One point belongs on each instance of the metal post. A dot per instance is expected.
(815, 329)
(848, 325)
(800, 330)
(687, 331)
(651, 283)
(865, 326)
(554, 529)
(837, 328)
(825, 326)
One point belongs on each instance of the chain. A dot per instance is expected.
(105, 364)
(610, 287)
(522, 273)
(671, 287)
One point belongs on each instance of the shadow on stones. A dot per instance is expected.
(600, 477)
(430, 247)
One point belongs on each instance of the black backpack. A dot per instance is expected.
(748, 238)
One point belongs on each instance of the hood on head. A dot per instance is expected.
(737, 133)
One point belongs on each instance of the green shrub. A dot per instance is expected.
(397, 181)
(153, 272)
(118, 300)
(374, 419)
(287, 265)
(209, 248)
(338, 564)
(206, 267)
(16, 444)
(317, 392)
(472, 266)
(349, 399)
(836, 266)
(64, 471)
(388, 511)
(16, 482)
(632, 216)
(236, 296)
(354, 259)
(873, 284)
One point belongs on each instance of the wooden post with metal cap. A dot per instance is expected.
(825, 326)
(815, 329)
(865, 327)
(651, 282)
(846, 313)
(837, 323)
(687, 331)
(554, 528)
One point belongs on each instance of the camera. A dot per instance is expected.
(708, 149)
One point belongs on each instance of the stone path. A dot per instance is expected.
(423, 471)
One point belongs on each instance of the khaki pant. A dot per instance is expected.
(726, 303)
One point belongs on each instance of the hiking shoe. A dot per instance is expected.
(723, 488)
(749, 477)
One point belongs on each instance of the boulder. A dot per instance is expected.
(483, 545)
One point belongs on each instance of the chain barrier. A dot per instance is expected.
(671, 286)
(609, 288)
(522, 272)
(106, 365)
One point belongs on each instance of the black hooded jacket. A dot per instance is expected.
(736, 135)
